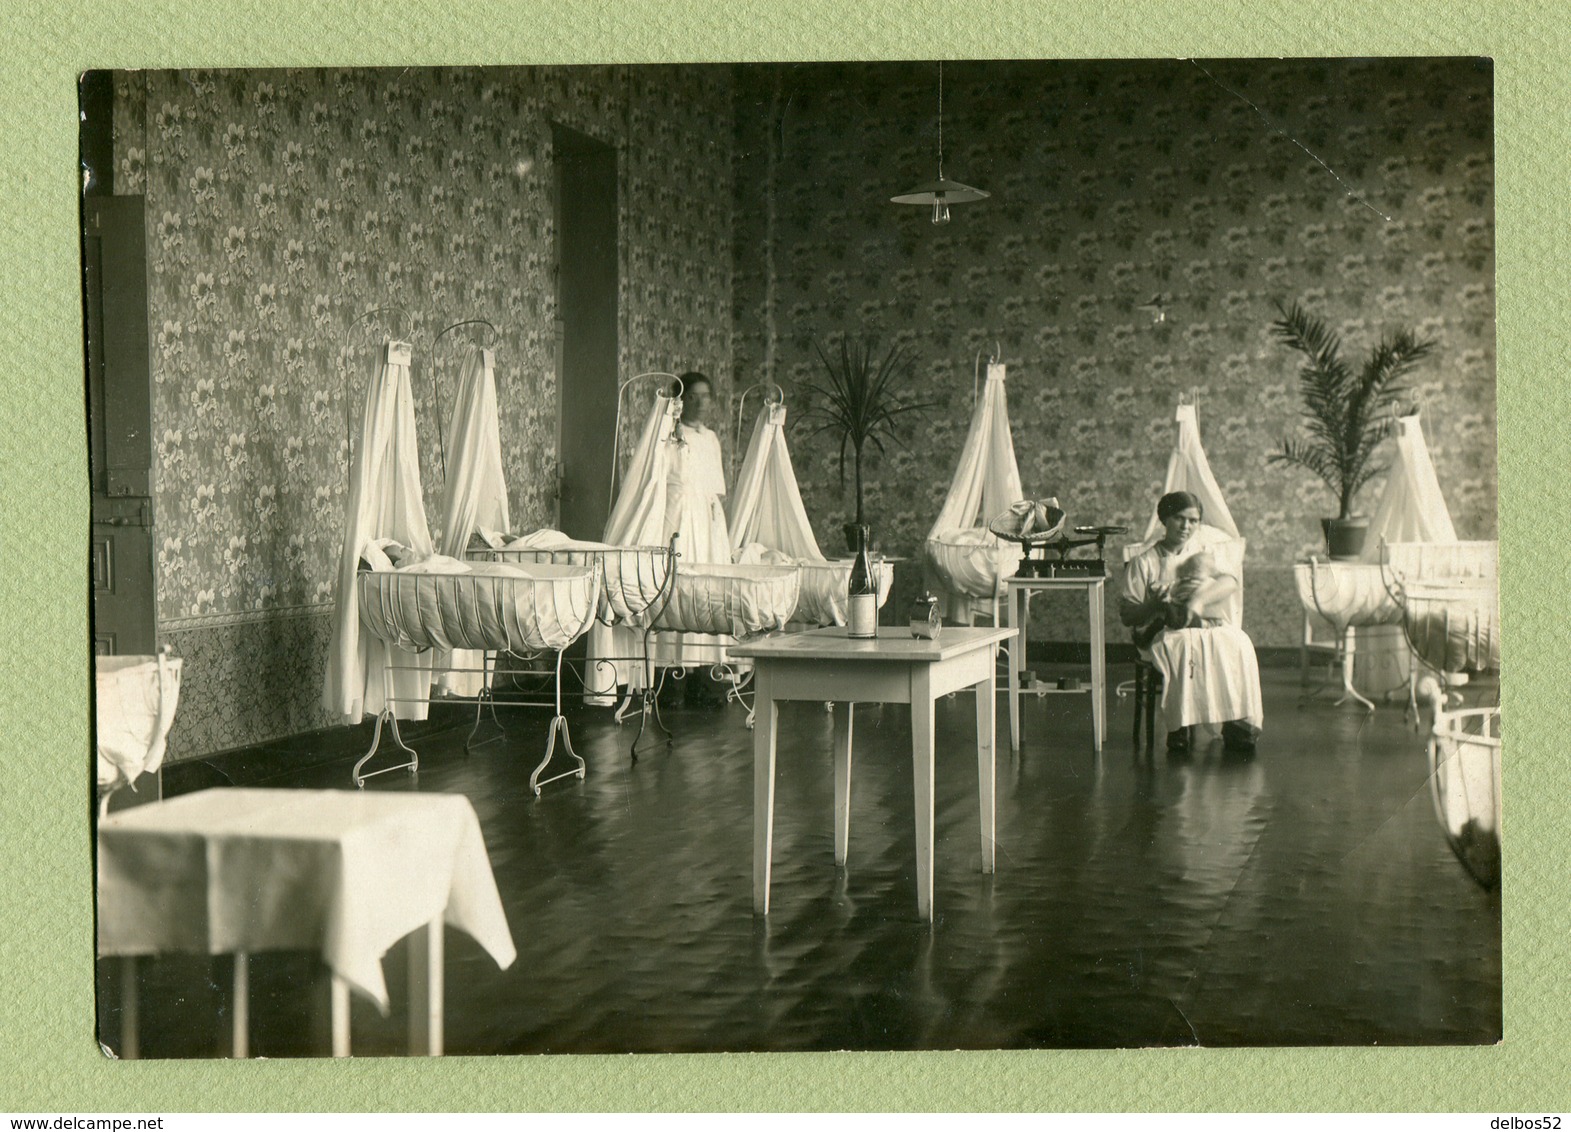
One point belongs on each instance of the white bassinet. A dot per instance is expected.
(1450, 615)
(967, 564)
(493, 606)
(398, 629)
(1463, 749)
(1448, 597)
(731, 600)
(633, 579)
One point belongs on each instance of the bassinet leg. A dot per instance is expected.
(624, 708)
(413, 765)
(651, 710)
(486, 697)
(738, 681)
(559, 723)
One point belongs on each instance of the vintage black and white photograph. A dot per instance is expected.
(735, 557)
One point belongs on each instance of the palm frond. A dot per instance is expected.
(1346, 412)
(859, 398)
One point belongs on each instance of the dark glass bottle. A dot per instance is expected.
(862, 592)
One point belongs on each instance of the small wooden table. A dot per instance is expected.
(1017, 602)
(826, 665)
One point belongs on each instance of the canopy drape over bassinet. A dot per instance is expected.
(475, 494)
(1189, 470)
(637, 519)
(766, 504)
(1412, 508)
(638, 516)
(966, 562)
(384, 501)
(769, 526)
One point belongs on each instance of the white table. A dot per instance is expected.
(1017, 602)
(342, 872)
(1347, 595)
(895, 667)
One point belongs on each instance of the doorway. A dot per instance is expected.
(587, 274)
(119, 390)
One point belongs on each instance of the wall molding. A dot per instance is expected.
(247, 617)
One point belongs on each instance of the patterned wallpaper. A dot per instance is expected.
(754, 219)
(283, 205)
(1363, 189)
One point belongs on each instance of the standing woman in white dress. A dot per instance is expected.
(695, 484)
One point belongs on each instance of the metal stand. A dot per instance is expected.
(386, 714)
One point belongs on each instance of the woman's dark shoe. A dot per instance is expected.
(1239, 737)
(1178, 741)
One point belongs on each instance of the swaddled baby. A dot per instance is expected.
(1188, 576)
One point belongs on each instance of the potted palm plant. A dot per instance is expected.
(1347, 411)
(859, 402)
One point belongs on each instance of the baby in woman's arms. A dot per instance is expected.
(1188, 577)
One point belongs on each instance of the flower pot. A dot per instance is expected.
(1345, 537)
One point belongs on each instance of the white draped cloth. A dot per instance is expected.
(384, 501)
(766, 505)
(1412, 510)
(135, 702)
(1189, 470)
(475, 494)
(347, 873)
(1210, 674)
(638, 518)
(769, 525)
(968, 564)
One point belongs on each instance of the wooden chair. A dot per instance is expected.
(1148, 695)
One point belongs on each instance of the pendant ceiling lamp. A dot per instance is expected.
(940, 194)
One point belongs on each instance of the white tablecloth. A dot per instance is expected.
(343, 872)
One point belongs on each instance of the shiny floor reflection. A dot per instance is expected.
(1304, 896)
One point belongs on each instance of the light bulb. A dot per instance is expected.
(940, 209)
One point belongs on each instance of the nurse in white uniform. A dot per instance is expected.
(695, 484)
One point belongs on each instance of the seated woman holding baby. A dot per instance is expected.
(1180, 597)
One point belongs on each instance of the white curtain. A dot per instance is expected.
(1412, 508)
(967, 561)
(475, 494)
(1189, 470)
(637, 519)
(766, 505)
(987, 479)
(384, 502)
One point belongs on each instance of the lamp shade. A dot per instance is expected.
(940, 191)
